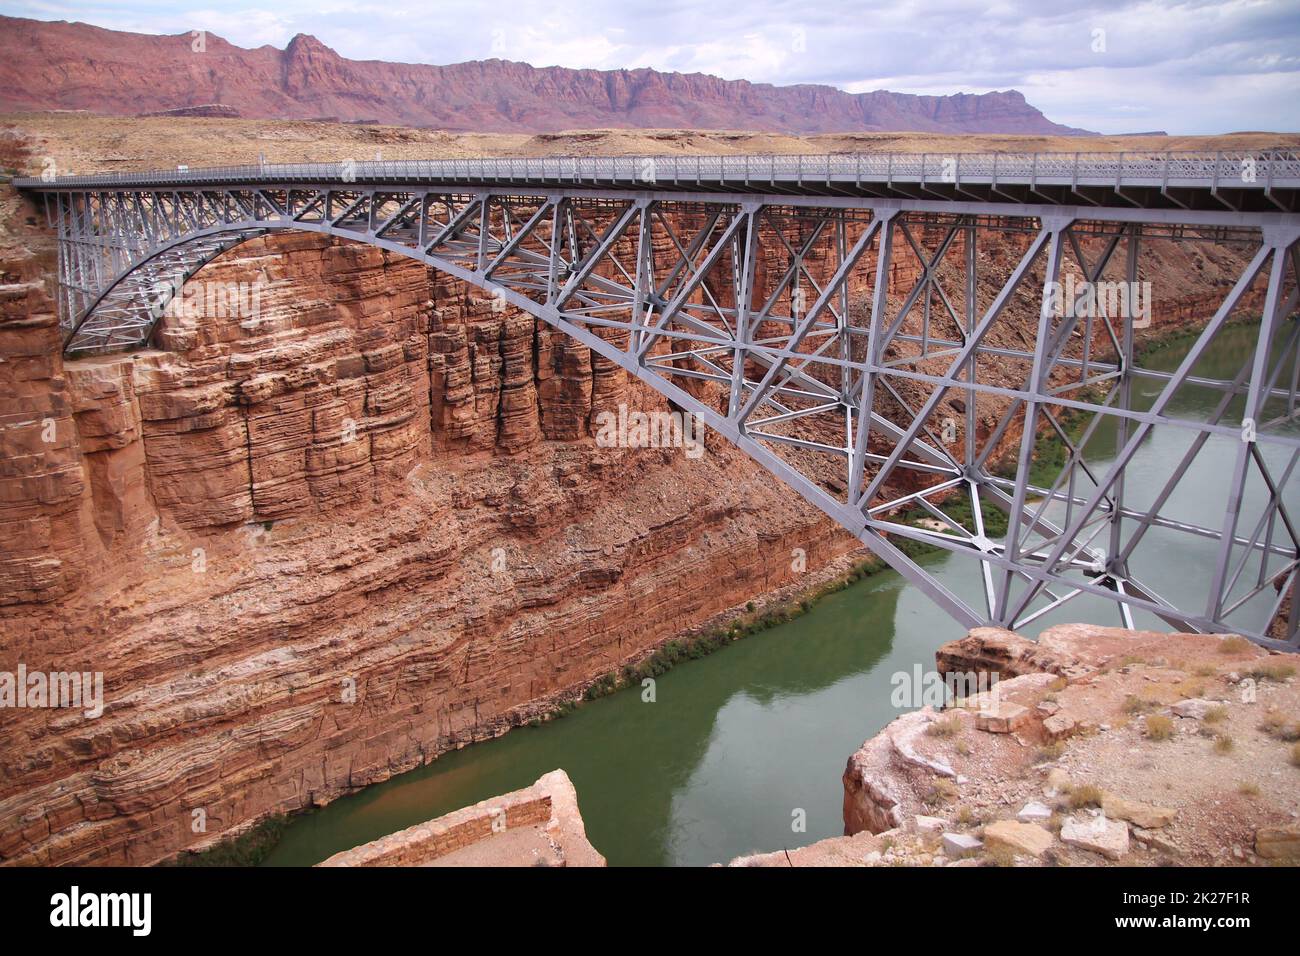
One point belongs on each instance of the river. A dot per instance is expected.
(738, 743)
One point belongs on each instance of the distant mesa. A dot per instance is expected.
(218, 110)
(61, 65)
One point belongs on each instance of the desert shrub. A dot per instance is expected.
(1274, 672)
(1278, 726)
(1085, 795)
(943, 791)
(949, 726)
(1159, 727)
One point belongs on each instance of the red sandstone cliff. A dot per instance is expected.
(64, 65)
(376, 486)
(203, 530)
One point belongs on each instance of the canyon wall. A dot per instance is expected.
(319, 542)
(317, 546)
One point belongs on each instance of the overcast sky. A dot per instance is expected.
(1108, 65)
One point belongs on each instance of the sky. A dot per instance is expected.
(1114, 66)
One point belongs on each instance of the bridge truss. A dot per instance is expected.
(912, 419)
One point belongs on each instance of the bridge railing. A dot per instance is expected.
(1234, 167)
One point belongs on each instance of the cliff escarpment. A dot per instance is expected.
(316, 547)
(319, 542)
(62, 65)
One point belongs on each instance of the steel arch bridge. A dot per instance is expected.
(754, 292)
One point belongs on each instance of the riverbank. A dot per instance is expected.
(756, 616)
(798, 608)
(1101, 747)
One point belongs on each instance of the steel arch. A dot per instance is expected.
(560, 256)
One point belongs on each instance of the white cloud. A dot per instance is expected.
(1181, 65)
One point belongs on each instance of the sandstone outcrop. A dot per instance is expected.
(1079, 794)
(536, 826)
(314, 547)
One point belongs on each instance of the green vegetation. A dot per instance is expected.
(694, 647)
(605, 684)
(959, 509)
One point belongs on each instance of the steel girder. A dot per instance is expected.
(770, 317)
(1267, 180)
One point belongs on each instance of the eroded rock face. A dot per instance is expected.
(317, 546)
(1183, 799)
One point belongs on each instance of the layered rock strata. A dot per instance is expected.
(317, 546)
(318, 542)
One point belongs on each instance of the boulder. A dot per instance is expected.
(1156, 840)
(1097, 834)
(1059, 726)
(1193, 707)
(1002, 718)
(1027, 838)
(1278, 843)
(1139, 814)
(957, 845)
(1034, 812)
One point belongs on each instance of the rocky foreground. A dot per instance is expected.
(1097, 747)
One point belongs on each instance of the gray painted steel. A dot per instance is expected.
(869, 409)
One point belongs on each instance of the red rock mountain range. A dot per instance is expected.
(60, 65)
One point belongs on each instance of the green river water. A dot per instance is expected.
(736, 742)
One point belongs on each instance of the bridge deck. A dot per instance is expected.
(1264, 181)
